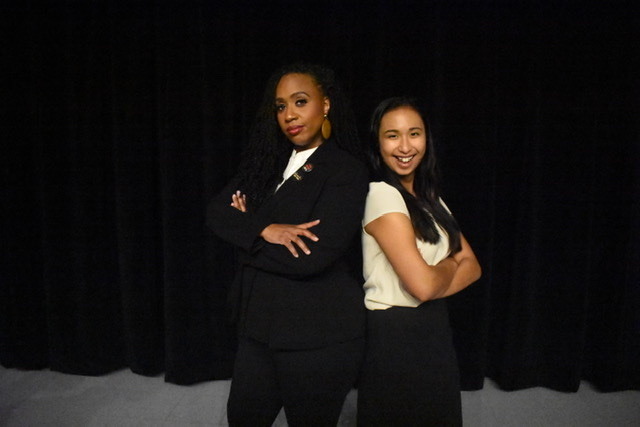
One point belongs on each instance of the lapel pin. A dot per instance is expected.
(306, 168)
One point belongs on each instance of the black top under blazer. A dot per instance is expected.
(313, 300)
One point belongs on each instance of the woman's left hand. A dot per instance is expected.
(239, 201)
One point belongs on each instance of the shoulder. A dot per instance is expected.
(339, 161)
(383, 199)
(382, 189)
(330, 150)
(387, 194)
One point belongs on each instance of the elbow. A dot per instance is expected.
(422, 296)
(472, 274)
(425, 296)
(424, 292)
(470, 271)
(477, 272)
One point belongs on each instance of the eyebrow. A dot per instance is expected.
(293, 95)
(410, 129)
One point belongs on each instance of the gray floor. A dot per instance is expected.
(45, 398)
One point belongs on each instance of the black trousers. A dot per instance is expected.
(311, 385)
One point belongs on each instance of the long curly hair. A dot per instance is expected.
(267, 151)
(425, 208)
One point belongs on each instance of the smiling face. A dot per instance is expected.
(300, 110)
(403, 143)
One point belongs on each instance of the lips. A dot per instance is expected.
(404, 161)
(294, 130)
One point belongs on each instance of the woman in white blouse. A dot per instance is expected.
(414, 255)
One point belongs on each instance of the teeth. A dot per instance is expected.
(405, 159)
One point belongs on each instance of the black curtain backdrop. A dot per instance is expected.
(121, 119)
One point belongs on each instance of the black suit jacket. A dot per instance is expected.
(313, 300)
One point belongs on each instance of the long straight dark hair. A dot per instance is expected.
(425, 207)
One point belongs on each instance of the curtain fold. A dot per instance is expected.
(124, 118)
(133, 123)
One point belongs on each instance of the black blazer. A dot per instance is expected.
(313, 300)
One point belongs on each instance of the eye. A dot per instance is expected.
(301, 102)
(279, 108)
(415, 133)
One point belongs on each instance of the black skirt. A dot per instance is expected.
(410, 375)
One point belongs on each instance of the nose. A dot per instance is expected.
(290, 115)
(404, 145)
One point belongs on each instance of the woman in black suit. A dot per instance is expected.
(294, 210)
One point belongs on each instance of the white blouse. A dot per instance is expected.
(296, 161)
(383, 288)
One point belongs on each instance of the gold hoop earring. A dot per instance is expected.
(326, 128)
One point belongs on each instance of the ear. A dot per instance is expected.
(327, 105)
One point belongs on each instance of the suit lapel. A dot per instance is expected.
(296, 196)
(313, 167)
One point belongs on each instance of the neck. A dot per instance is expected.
(301, 148)
(407, 183)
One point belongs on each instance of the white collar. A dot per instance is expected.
(296, 161)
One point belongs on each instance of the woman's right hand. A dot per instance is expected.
(288, 235)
